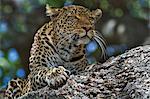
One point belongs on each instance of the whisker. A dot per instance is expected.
(101, 42)
(102, 47)
(100, 37)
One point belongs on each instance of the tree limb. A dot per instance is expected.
(126, 76)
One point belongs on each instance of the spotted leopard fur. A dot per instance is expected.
(58, 49)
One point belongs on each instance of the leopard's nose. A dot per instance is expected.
(86, 28)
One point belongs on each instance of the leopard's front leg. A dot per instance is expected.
(54, 77)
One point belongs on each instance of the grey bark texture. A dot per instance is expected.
(126, 76)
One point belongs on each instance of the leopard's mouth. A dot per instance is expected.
(96, 36)
(83, 40)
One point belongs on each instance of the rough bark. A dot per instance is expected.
(126, 76)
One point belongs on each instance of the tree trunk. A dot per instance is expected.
(126, 76)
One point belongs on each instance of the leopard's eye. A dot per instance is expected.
(71, 20)
(77, 17)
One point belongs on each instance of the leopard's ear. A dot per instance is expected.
(97, 14)
(52, 12)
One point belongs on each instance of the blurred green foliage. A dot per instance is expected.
(55, 3)
(9, 65)
(20, 19)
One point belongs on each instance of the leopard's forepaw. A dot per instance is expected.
(57, 77)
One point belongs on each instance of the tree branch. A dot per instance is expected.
(126, 76)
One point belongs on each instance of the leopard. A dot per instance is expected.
(59, 49)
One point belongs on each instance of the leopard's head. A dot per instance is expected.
(74, 27)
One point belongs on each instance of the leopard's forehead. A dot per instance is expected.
(75, 9)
